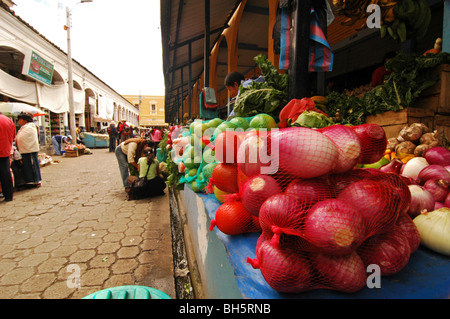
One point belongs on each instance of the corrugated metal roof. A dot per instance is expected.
(183, 27)
(183, 23)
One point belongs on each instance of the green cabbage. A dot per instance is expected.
(313, 119)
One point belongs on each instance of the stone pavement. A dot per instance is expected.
(78, 234)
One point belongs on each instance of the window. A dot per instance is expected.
(153, 108)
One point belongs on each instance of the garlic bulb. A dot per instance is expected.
(434, 230)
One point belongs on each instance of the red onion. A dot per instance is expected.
(433, 171)
(334, 227)
(338, 182)
(376, 201)
(409, 229)
(437, 155)
(256, 190)
(284, 212)
(348, 144)
(447, 167)
(304, 152)
(401, 196)
(373, 142)
(421, 200)
(285, 270)
(345, 273)
(309, 191)
(438, 205)
(390, 251)
(393, 166)
(447, 201)
(438, 188)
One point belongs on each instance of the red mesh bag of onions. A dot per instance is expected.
(323, 221)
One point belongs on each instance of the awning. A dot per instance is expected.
(24, 91)
(100, 119)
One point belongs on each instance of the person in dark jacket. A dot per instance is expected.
(112, 132)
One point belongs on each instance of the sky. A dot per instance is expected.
(118, 41)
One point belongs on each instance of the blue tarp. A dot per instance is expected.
(426, 276)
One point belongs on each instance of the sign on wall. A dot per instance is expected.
(37, 67)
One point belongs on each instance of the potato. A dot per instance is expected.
(392, 143)
(406, 147)
(420, 149)
(429, 139)
(422, 126)
(411, 133)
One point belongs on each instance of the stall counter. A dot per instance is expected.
(222, 260)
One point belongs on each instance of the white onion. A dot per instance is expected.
(414, 166)
(434, 230)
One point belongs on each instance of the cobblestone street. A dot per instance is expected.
(80, 222)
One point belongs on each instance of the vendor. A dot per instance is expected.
(380, 74)
(232, 82)
(128, 154)
(58, 141)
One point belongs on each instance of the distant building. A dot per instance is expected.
(151, 109)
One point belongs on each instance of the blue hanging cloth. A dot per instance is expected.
(321, 56)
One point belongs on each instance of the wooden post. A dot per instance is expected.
(320, 8)
(298, 65)
(207, 43)
(190, 79)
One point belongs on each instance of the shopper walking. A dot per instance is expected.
(112, 132)
(7, 135)
(27, 142)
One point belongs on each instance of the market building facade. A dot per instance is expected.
(33, 70)
(151, 109)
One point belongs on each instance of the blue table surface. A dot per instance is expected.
(426, 276)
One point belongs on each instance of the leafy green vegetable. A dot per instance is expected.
(274, 79)
(346, 109)
(411, 75)
(267, 97)
(313, 119)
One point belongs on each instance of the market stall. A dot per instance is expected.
(93, 140)
(296, 195)
(291, 203)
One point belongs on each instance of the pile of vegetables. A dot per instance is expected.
(197, 149)
(411, 75)
(321, 222)
(412, 141)
(428, 179)
(267, 97)
(74, 147)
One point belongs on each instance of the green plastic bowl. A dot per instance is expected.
(128, 292)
